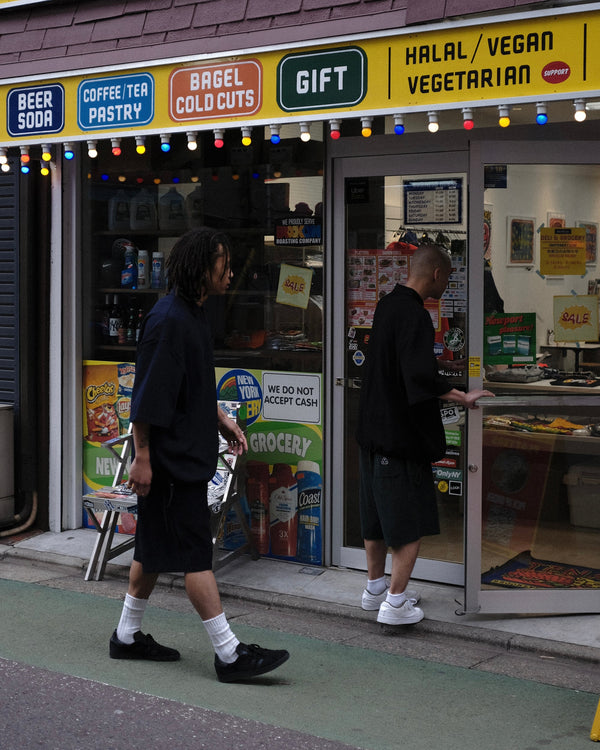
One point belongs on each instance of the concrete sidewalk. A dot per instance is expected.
(337, 591)
(347, 680)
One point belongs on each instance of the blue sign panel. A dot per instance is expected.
(114, 102)
(35, 110)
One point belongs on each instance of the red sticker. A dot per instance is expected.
(556, 72)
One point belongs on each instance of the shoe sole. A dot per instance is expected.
(239, 676)
(403, 621)
(141, 657)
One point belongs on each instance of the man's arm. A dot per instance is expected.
(232, 433)
(466, 399)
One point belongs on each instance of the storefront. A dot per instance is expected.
(326, 167)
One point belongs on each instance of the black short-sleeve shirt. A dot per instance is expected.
(175, 392)
(399, 409)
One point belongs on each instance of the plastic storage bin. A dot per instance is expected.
(583, 482)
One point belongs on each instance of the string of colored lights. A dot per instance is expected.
(335, 132)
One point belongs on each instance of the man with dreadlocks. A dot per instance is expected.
(175, 421)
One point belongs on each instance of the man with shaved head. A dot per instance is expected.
(400, 433)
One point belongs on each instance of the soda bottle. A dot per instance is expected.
(115, 321)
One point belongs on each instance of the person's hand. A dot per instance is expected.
(472, 396)
(140, 476)
(236, 440)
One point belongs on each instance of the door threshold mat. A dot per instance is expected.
(525, 571)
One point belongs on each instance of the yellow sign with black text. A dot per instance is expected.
(534, 59)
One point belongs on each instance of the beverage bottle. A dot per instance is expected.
(106, 320)
(158, 261)
(257, 492)
(308, 547)
(129, 272)
(115, 321)
(171, 211)
(283, 511)
(131, 324)
(118, 212)
(143, 277)
(138, 324)
(142, 212)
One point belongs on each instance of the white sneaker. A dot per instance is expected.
(373, 601)
(405, 614)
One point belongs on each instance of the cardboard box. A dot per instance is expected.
(583, 482)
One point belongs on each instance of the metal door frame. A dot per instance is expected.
(378, 160)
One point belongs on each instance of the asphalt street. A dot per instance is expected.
(348, 683)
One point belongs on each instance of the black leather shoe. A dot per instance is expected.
(143, 647)
(252, 661)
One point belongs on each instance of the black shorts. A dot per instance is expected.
(173, 532)
(397, 499)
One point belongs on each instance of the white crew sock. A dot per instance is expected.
(396, 600)
(376, 586)
(222, 638)
(131, 618)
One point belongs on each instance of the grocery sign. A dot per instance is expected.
(537, 58)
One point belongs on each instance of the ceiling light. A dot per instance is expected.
(580, 113)
(192, 144)
(3, 156)
(468, 123)
(69, 154)
(165, 143)
(44, 169)
(366, 129)
(92, 149)
(542, 116)
(275, 137)
(219, 136)
(399, 124)
(246, 136)
(140, 144)
(25, 154)
(304, 132)
(46, 155)
(503, 116)
(334, 129)
(433, 125)
(115, 144)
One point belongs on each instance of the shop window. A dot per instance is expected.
(266, 197)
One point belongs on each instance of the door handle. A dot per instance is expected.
(353, 383)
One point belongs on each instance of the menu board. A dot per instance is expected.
(371, 275)
(433, 201)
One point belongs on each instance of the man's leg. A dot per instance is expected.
(403, 562)
(128, 641)
(376, 550)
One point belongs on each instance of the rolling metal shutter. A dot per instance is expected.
(9, 285)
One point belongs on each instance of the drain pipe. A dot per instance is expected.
(19, 517)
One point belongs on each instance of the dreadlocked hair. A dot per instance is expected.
(192, 258)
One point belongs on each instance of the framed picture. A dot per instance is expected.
(555, 221)
(521, 235)
(591, 240)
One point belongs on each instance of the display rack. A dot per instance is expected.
(224, 495)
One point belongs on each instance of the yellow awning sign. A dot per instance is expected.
(526, 59)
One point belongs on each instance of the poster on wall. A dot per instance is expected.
(283, 414)
(591, 240)
(107, 388)
(521, 234)
(562, 251)
(509, 339)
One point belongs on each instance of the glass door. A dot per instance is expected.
(384, 208)
(533, 527)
